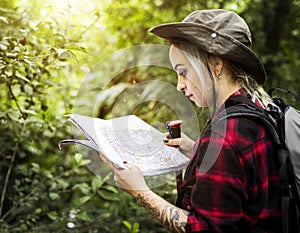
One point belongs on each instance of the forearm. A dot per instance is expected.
(133, 182)
(187, 153)
(169, 215)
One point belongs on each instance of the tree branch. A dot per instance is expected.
(9, 171)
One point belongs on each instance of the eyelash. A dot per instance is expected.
(183, 73)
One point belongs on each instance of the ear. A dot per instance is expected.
(216, 65)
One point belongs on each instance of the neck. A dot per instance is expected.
(224, 90)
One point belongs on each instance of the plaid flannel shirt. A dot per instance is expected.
(232, 182)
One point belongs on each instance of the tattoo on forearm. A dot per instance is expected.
(145, 203)
(168, 215)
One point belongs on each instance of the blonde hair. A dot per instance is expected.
(246, 81)
(199, 60)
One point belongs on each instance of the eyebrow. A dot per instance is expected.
(176, 66)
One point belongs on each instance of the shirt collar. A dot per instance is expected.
(230, 102)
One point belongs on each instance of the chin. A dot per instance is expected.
(201, 104)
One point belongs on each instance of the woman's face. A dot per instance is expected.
(188, 80)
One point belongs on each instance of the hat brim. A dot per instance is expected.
(215, 43)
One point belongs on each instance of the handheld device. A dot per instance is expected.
(174, 128)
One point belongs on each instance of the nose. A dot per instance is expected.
(180, 84)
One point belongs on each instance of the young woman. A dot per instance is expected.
(231, 183)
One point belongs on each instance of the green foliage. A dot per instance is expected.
(41, 187)
(45, 51)
(133, 228)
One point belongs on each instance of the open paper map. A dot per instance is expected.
(128, 139)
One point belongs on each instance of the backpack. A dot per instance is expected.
(286, 134)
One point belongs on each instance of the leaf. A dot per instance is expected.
(97, 183)
(109, 196)
(61, 183)
(20, 76)
(80, 161)
(14, 115)
(48, 174)
(136, 228)
(38, 210)
(63, 53)
(127, 225)
(84, 216)
(27, 61)
(52, 215)
(54, 196)
(11, 55)
(31, 112)
(35, 167)
(73, 55)
(83, 187)
(82, 200)
(4, 19)
(3, 46)
(110, 188)
(81, 49)
(78, 158)
(28, 89)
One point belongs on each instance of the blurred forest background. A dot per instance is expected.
(47, 47)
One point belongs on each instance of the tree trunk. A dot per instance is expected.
(275, 16)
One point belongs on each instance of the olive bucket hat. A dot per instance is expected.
(219, 32)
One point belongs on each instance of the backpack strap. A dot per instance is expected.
(285, 188)
(246, 108)
(295, 94)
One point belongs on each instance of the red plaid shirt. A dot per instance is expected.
(232, 183)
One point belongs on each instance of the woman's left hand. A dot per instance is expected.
(185, 144)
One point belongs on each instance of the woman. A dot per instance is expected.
(231, 184)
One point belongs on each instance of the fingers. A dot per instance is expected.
(132, 167)
(168, 136)
(132, 180)
(173, 142)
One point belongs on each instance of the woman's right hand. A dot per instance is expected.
(185, 144)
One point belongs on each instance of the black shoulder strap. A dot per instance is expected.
(246, 108)
(295, 94)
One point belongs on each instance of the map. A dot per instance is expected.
(129, 139)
